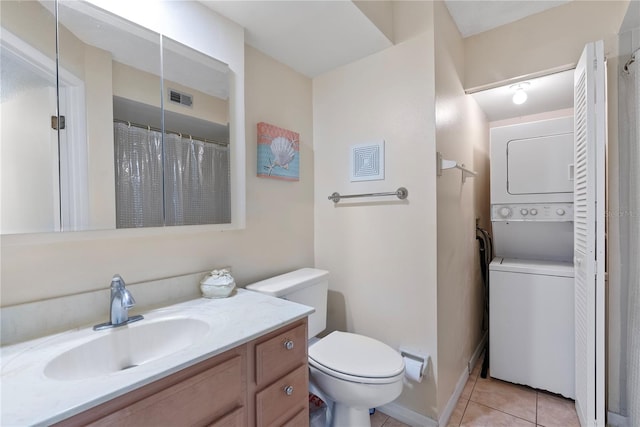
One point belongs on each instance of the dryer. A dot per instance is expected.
(532, 162)
(531, 279)
(532, 190)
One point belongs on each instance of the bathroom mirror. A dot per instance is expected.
(142, 135)
(29, 147)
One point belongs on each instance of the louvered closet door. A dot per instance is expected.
(589, 202)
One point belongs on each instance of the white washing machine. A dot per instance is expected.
(531, 324)
(531, 331)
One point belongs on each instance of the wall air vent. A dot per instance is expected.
(367, 161)
(180, 98)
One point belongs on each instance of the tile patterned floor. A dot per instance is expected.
(378, 419)
(487, 402)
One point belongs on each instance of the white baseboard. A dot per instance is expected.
(415, 419)
(407, 416)
(479, 349)
(617, 420)
(462, 381)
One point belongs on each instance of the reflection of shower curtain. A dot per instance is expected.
(630, 220)
(196, 188)
(138, 158)
(196, 182)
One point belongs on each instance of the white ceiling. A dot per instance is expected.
(313, 37)
(548, 93)
(476, 16)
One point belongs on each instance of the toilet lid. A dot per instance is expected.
(356, 355)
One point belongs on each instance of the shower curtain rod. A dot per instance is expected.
(147, 127)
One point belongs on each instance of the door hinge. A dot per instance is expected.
(54, 122)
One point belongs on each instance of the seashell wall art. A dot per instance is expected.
(278, 153)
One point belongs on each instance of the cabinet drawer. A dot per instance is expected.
(210, 395)
(280, 354)
(284, 398)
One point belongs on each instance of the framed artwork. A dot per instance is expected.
(278, 153)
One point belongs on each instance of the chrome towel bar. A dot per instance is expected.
(401, 193)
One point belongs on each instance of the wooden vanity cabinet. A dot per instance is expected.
(261, 383)
(212, 392)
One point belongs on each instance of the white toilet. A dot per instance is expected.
(352, 371)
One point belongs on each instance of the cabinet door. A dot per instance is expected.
(282, 399)
(200, 400)
(301, 419)
(236, 418)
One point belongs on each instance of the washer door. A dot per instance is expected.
(540, 165)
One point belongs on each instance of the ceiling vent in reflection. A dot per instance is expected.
(180, 98)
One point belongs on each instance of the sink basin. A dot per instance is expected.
(126, 347)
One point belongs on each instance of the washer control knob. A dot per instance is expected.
(524, 211)
(533, 211)
(560, 211)
(505, 212)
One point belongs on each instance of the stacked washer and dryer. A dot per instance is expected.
(531, 289)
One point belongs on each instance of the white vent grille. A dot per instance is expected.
(180, 98)
(367, 161)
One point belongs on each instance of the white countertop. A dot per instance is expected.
(28, 397)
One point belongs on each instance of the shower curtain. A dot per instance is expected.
(192, 188)
(138, 158)
(631, 82)
(196, 182)
(630, 220)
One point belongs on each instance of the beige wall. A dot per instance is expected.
(462, 134)
(549, 40)
(100, 151)
(278, 236)
(406, 274)
(381, 253)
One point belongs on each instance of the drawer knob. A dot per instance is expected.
(288, 390)
(288, 344)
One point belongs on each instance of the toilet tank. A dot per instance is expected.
(308, 286)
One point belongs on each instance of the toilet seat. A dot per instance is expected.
(356, 358)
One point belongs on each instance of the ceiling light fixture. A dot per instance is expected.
(520, 96)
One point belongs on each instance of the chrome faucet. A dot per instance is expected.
(121, 302)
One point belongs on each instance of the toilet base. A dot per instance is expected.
(346, 416)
